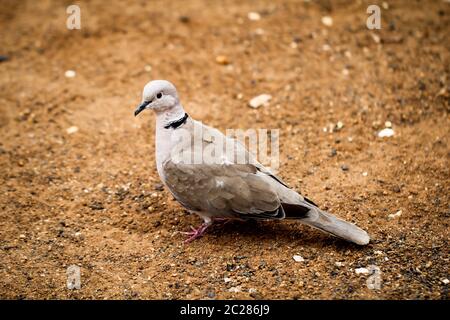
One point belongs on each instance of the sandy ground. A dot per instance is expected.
(92, 198)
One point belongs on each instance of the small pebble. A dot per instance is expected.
(361, 271)
(327, 21)
(445, 281)
(226, 279)
(3, 58)
(70, 74)
(387, 132)
(344, 167)
(339, 264)
(148, 68)
(364, 174)
(395, 215)
(298, 258)
(388, 124)
(223, 60)
(72, 130)
(260, 100)
(184, 19)
(254, 16)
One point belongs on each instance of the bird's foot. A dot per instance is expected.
(196, 233)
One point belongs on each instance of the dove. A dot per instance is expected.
(195, 164)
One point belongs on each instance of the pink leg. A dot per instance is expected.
(196, 233)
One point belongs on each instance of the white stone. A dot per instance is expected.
(327, 20)
(298, 258)
(386, 132)
(72, 130)
(395, 215)
(70, 74)
(254, 16)
(361, 271)
(260, 100)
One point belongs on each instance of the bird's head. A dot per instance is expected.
(158, 95)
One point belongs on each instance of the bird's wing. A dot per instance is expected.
(235, 190)
(242, 153)
(222, 183)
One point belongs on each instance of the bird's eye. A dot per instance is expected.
(159, 95)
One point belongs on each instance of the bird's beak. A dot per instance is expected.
(141, 107)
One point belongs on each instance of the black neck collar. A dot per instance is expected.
(177, 123)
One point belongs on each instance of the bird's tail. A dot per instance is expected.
(327, 222)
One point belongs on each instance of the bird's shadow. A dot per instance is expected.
(291, 233)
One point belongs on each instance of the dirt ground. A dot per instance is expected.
(92, 198)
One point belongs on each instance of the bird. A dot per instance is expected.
(214, 184)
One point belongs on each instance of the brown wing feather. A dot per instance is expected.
(223, 189)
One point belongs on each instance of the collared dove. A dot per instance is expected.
(217, 186)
